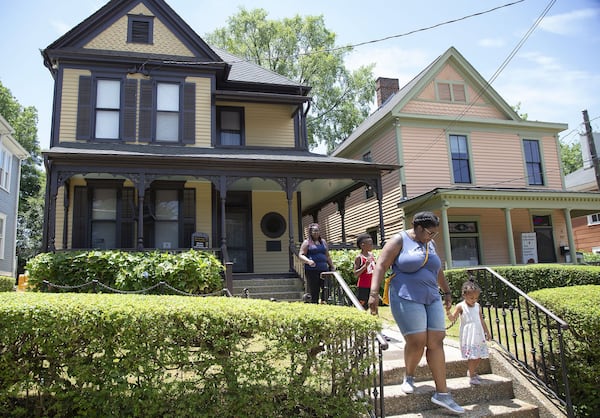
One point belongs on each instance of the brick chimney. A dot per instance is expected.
(385, 88)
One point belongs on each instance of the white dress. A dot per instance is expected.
(472, 337)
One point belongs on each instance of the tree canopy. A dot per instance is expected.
(31, 202)
(571, 156)
(304, 50)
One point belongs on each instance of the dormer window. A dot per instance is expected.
(451, 92)
(139, 29)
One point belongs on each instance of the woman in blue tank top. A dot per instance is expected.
(415, 301)
(315, 255)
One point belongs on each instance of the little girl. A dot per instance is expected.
(364, 264)
(473, 331)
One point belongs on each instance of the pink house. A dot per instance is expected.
(494, 179)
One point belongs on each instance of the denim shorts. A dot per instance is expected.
(413, 317)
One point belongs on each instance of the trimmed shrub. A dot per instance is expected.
(579, 306)
(191, 271)
(154, 356)
(7, 284)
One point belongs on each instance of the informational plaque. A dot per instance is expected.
(529, 247)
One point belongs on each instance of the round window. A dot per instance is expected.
(273, 225)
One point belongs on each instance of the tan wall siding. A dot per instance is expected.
(203, 111)
(265, 261)
(267, 124)
(203, 208)
(115, 38)
(68, 114)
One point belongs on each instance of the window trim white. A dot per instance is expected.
(591, 221)
(5, 171)
(2, 235)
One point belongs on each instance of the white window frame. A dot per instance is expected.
(6, 158)
(168, 111)
(108, 108)
(2, 234)
(593, 219)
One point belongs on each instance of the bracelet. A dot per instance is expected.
(374, 293)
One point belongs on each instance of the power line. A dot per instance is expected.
(488, 83)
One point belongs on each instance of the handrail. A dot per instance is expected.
(339, 293)
(526, 331)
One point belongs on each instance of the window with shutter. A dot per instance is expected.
(444, 92)
(458, 93)
(451, 92)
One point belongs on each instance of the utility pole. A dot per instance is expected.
(590, 137)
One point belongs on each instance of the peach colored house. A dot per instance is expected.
(586, 228)
(494, 179)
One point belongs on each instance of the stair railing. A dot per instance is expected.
(529, 334)
(337, 292)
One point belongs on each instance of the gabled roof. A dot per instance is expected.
(77, 37)
(392, 108)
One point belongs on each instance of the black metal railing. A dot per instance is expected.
(529, 334)
(95, 286)
(337, 292)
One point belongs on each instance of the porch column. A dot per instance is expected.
(223, 198)
(140, 223)
(510, 237)
(341, 204)
(289, 193)
(66, 215)
(572, 249)
(446, 235)
(52, 211)
(379, 192)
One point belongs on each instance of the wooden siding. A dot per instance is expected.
(476, 106)
(586, 236)
(163, 41)
(267, 125)
(265, 261)
(203, 111)
(68, 113)
(203, 208)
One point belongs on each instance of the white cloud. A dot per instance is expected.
(491, 42)
(393, 62)
(568, 23)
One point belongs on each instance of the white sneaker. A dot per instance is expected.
(408, 385)
(446, 401)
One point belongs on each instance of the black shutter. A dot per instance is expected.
(129, 111)
(80, 218)
(84, 108)
(188, 217)
(146, 111)
(189, 113)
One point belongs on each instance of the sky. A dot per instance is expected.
(551, 70)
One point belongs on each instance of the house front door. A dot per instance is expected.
(545, 240)
(238, 224)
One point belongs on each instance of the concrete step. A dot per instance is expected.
(496, 408)
(271, 287)
(493, 388)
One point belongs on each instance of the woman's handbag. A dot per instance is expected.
(386, 289)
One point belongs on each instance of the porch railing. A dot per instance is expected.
(531, 335)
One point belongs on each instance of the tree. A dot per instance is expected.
(303, 50)
(31, 201)
(571, 157)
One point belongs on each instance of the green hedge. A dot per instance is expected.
(7, 284)
(192, 271)
(579, 306)
(532, 277)
(153, 356)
